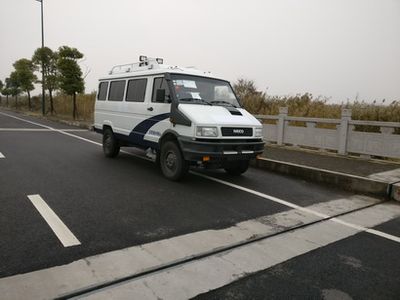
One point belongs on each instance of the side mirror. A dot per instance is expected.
(160, 96)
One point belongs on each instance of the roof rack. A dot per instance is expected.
(145, 63)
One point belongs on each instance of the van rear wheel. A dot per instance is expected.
(110, 144)
(172, 162)
(237, 167)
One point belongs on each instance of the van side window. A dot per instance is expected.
(161, 84)
(102, 95)
(117, 89)
(136, 90)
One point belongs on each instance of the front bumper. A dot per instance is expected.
(221, 149)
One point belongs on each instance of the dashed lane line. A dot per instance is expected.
(1, 155)
(265, 196)
(122, 264)
(66, 237)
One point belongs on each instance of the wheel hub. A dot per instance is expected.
(170, 160)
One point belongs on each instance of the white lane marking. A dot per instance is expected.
(118, 264)
(66, 237)
(369, 230)
(384, 235)
(262, 195)
(40, 129)
(193, 278)
(265, 196)
(1, 155)
(305, 209)
(71, 135)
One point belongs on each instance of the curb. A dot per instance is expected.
(395, 193)
(345, 181)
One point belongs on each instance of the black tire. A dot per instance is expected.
(237, 168)
(110, 144)
(172, 163)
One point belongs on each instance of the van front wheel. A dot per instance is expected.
(110, 144)
(237, 167)
(172, 163)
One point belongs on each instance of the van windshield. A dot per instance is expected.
(202, 90)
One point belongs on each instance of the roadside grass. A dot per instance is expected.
(318, 107)
(62, 106)
(258, 103)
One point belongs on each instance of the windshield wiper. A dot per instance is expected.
(195, 99)
(223, 102)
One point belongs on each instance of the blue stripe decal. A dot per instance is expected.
(137, 134)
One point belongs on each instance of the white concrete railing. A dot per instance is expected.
(343, 138)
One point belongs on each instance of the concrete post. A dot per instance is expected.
(283, 112)
(396, 191)
(343, 131)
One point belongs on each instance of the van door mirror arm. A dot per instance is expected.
(176, 117)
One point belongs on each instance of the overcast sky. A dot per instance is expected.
(335, 48)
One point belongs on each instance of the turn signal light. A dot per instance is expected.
(206, 158)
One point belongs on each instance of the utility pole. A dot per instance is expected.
(43, 98)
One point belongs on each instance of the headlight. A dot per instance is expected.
(258, 132)
(207, 131)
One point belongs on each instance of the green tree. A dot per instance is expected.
(71, 80)
(24, 69)
(6, 90)
(1, 90)
(14, 85)
(48, 59)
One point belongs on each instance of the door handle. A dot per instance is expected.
(150, 109)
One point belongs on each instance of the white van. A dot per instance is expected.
(184, 116)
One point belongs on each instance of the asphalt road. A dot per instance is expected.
(112, 204)
(359, 267)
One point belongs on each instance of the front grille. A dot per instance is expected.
(236, 131)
